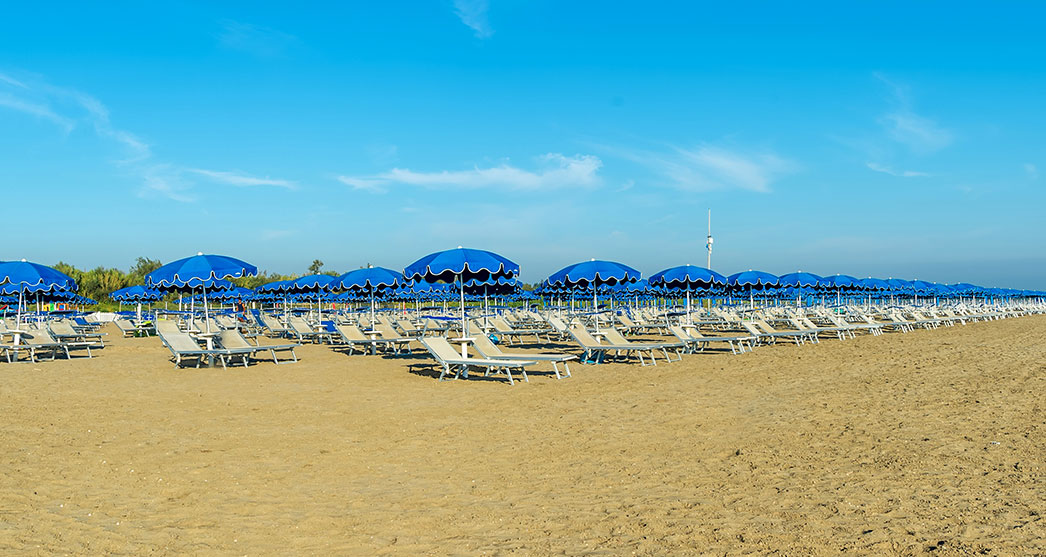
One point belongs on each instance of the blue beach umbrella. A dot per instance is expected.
(24, 277)
(199, 271)
(799, 280)
(752, 280)
(840, 283)
(136, 295)
(459, 265)
(369, 280)
(688, 278)
(593, 274)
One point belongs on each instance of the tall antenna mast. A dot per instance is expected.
(709, 244)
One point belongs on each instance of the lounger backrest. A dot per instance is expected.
(614, 336)
(60, 328)
(441, 349)
(500, 324)
(124, 325)
(387, 331)
(680, 332)
(407, 326)
(165, 326)
(232, 338)
(39, 336)
(351, 332)
(557, 323)
(299, 325)
(486, 346)
(751, 328)
(582, 336)
(764, 326)
(180, 342)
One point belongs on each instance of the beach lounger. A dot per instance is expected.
(64, 332)
(506, 331)
(696, 342)
(765, 333)
(595, 352)
(449, 358)
(183, 347)
(351, 337)
(40, 340)
(491, 351)
(234, 340)
(297, 327)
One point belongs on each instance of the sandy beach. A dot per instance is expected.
(927, 442)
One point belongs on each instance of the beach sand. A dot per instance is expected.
(927, 442)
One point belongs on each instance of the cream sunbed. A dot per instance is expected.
(449, 358)
(183, 346)
(762, 331)
(614, 336)
(491, 351)
(595, 352)
(233, 339)
(300, 329)
(41, 339)
(696, 342)
(64, 332)
(351, 337)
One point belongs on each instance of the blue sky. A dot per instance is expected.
(874, 139)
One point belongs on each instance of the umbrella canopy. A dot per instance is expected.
(874, 284)
(198, 271)
(594, 272)
(844, 282)
(752, 279)
(455, 265)
(369, 280)
(459, 265)
(236, 293)
(23, 277)
(688, 277)
(800, 280)
(136, 294)
(27, 276)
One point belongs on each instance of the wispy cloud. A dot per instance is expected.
(240, 179)
(473, 13)
(70, 110)
(919, 133)
(554, 171)
(35, 109)
(900, 173)
(161, 180)
(710, 167)
(256, 40)
(1031, 170)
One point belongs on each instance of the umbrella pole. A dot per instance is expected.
(689, 319)
(464, 324)
(595, 305)
(371, 307)
(206, 317)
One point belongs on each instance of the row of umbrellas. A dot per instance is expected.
(468, 269)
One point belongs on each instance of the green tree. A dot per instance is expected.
(143, 266)
(316, 267)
